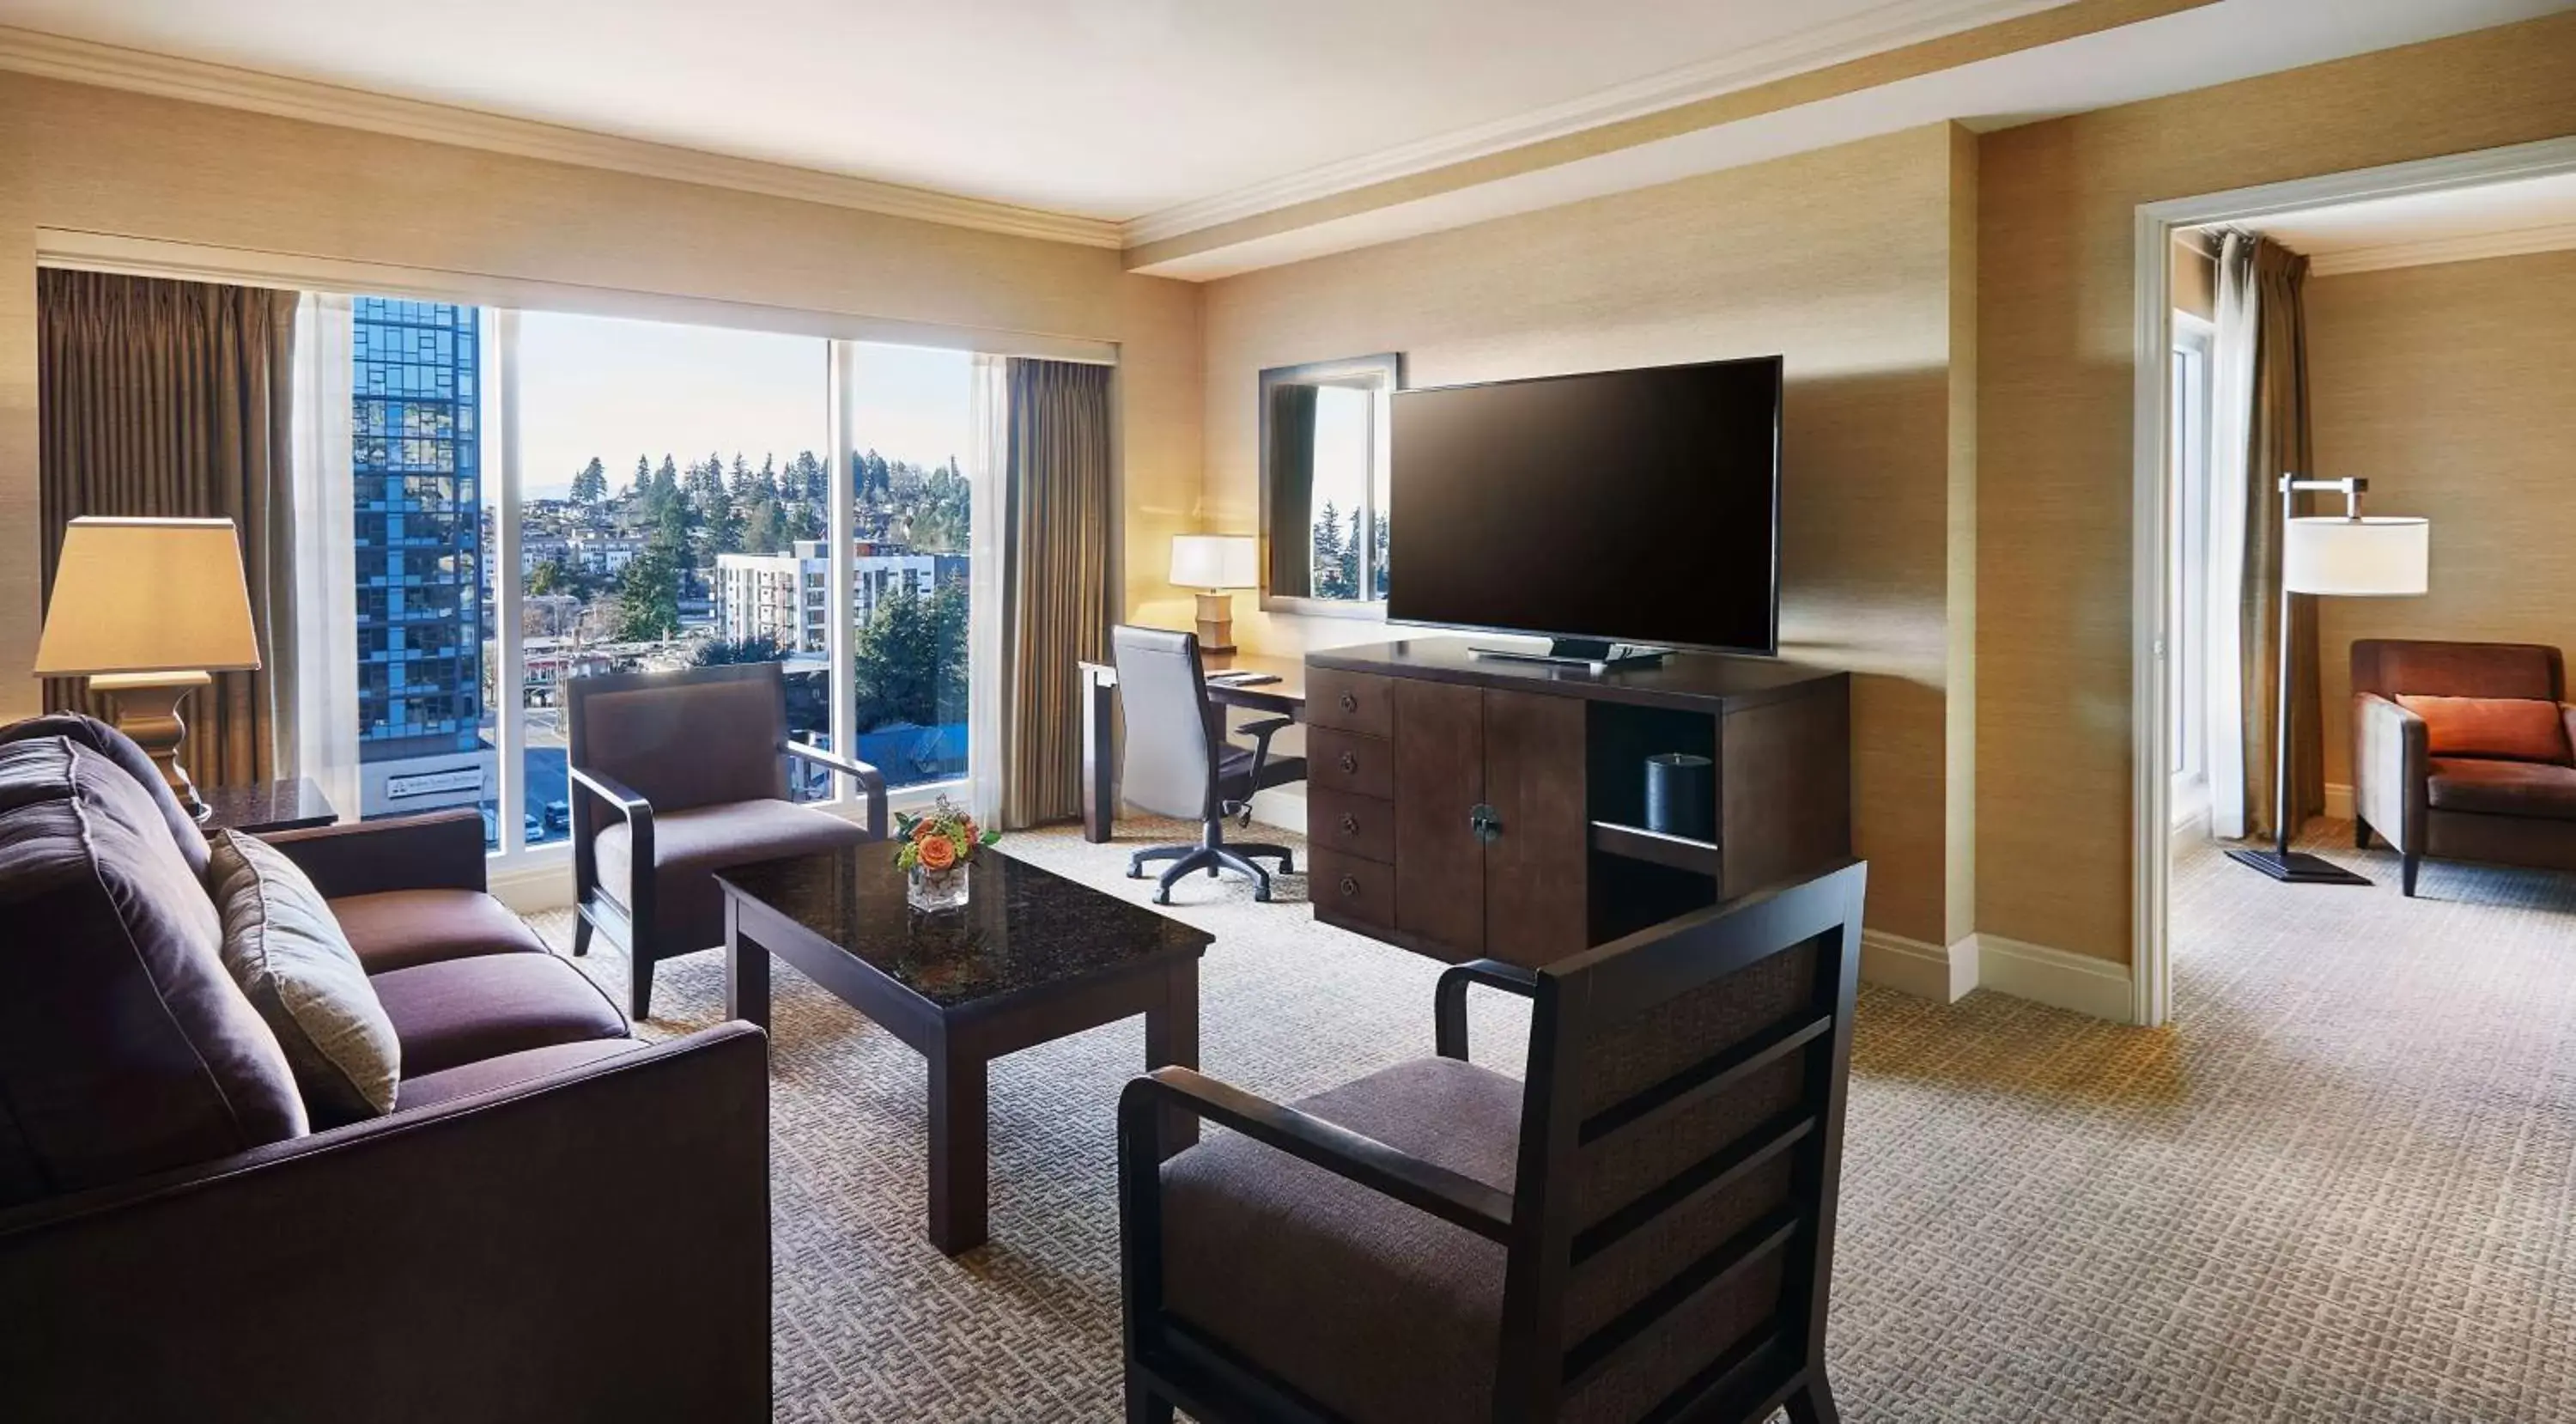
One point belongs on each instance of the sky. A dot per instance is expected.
(618, 389)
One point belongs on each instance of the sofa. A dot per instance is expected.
(551, 1220)
(2464, 751)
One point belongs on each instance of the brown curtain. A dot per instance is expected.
(2275, 280)
(1055, 579)
(171, 398)
(1291, 431)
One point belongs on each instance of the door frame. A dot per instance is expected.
(2151, 851)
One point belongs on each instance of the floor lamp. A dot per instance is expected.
(2332, 557)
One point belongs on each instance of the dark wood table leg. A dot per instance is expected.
(957, 1149)
(746, 971)
(1099, 714)
(1172, 1041)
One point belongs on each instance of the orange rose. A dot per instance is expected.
(937, 852)
(921, 830)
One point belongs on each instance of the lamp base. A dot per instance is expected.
(1216, 622)
(145, 706)
(2297, 867)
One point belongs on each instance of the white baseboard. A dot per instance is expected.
(2036, 972)
(2055, 977)
(1918, 967)
(2339, 801)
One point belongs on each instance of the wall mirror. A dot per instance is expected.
(1324, 486)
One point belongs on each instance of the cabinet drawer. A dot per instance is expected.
(1349, 890)
(1351, 825)
(1349, 701)
(1347, 761)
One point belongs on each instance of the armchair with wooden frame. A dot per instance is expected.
(675, 776)
(2494, 779)
(1643, 1229)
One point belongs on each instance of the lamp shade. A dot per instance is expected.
(1216, 560)
(148, 595)
(2377, 557)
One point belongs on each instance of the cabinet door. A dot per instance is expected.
(1439, 779)
(1537, 869)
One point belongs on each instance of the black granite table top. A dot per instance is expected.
(1022, 928)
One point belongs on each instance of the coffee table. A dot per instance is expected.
(1029, 958)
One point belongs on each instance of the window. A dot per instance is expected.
(2187, 610)
(665, 499)
(912, 509)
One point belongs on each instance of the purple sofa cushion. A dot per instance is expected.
(122, 750)
(125, 1047)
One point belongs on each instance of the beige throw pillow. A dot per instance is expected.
(287, 953)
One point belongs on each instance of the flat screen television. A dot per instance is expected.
(1638, 507)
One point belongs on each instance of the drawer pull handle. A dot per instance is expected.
(1486, 822)
(1350, 824)
(1350, 888)
(1350, 764)
(1350, 702)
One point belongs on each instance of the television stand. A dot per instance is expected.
(1589, 654)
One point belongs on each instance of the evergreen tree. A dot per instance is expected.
(643, 478)
(764, 528)
(591, 485)
(648, 596)
(738, 485)
(1330, 581)
(911, 659)
(664, 491)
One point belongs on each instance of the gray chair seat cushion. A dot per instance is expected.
(508, 1070)
(689, 845)
(2502, 788)
(290, 958)
(1383, 1313)
(461, 1011)
(396, 929)
(125, 1045)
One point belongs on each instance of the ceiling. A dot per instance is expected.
(1102, 108)
(1204, 136)
(2416, 229)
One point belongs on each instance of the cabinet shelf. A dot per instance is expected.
(1655, 847)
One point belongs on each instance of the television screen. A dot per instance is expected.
(1640, 506)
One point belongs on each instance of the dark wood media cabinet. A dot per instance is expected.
(1470, 808)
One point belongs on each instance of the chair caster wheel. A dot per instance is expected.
(1162, 897)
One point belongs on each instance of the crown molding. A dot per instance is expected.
(166, 76)
(1884, 27)
(2554, 237)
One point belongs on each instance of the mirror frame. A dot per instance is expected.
(1383, 371)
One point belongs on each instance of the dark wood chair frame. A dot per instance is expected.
(632, 926)
(1168, 1363)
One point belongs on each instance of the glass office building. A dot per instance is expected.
(419, 527)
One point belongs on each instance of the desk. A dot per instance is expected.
(1284, 698)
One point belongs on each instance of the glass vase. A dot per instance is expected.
(936, 889)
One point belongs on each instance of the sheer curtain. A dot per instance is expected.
(989, 545)
(326, 616)
(2231, 409)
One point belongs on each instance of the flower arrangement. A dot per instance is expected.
(934, 848)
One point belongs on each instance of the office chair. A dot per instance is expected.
(1178, 762)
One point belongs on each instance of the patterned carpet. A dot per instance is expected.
(2342, 1188)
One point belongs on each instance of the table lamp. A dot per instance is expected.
(2331, 556)
(1216, 564)
(147, 609)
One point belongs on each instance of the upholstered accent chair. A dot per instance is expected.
(677, 775)
(1643, 1229)
(2488, 780)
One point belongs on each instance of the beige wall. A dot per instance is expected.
(102, 161)
(2449, 389)
(1841, 260)
(2059, 200)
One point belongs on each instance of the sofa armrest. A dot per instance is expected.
(440, 850)
(589, 1245)
(2390, 764)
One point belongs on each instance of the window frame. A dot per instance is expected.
(2191, 357)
